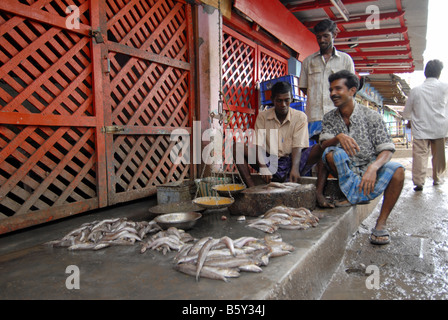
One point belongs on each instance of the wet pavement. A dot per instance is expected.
(414, 265)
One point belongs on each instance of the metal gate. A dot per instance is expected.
(86, 112)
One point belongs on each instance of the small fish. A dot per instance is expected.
(202, 255)
(229, 262)
(241, 242)
(265, 228)
(250, 268)
(190, 269)
(229, 243)
(87, 246)
(198, 245)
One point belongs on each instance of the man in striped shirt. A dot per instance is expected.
(427, 108)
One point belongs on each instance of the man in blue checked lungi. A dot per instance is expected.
(357, 150)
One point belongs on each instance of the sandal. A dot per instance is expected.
(343, 203)
(379, 234)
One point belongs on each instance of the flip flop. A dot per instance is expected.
(343, 203)
(377, 234)
(364, 202)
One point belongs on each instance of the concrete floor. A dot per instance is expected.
(31, 270)
(414, 266)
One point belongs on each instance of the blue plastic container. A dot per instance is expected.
(265, 88)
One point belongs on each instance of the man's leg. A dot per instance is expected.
(438, 159)
(322, 176)
(391, 195)
(315, 155)
(420, 153)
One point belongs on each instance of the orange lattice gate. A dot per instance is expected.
(244, 65)
(86, 112)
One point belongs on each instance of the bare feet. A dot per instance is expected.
(323, 202)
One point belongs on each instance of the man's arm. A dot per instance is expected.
(407, 112)
(296, 154)
(347, 143)
(369, 178)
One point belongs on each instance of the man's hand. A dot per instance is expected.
(294, 176)
(266, 178)
(368, 180)
(348, 144)
(265, 173)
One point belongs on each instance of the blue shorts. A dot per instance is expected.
(349, 181)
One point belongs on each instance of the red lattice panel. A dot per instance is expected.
(239, 80)
(155, 26)
(244, 65)
(46, 160)
(148, 92)
(271, 66)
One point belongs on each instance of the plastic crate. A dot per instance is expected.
(265, 88)
(300, 105)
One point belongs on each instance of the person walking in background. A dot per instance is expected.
(427, 110)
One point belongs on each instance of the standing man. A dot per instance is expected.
(357, 150)
(313, 81)
(316, 69)
(427, 108)
(281, 134)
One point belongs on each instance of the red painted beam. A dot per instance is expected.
(359, 19)
(391, 71)
(380, 53)
(320, 5)
(382, 61)
(385, 70)
(281, 23)
(372, 32)
(380, 44)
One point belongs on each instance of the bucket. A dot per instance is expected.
(174, 192)
(205, 185)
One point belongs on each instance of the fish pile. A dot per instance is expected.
(224, 258)
(167, 240)
(97, 235)
(285, 218)
(273, 186)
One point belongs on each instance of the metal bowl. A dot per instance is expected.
(213, 202)
(184, 206)
(229, 188)
(180, 220)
